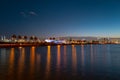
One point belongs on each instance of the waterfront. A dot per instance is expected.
(61, 62)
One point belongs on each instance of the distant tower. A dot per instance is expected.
(98, 38)
(2, 38)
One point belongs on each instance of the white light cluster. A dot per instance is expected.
(55, 41)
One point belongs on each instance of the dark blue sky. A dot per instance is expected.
(60, 17)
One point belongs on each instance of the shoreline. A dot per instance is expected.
(42, 44)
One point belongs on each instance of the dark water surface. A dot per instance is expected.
(73, 62)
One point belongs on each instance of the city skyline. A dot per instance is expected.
(99, 18)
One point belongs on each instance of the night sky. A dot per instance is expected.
(60, 17)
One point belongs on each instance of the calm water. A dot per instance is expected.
(73, 62)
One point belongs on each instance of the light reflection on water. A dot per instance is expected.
(48, 62)
(60, 62)
(11, 63)
(82, 59)
(32, 62)
(65, 56)
(21, 61)
(74, 59)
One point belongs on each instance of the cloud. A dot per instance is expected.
(33, 13)
(27, 14)
(23, 14)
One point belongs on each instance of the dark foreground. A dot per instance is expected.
(60, 62)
